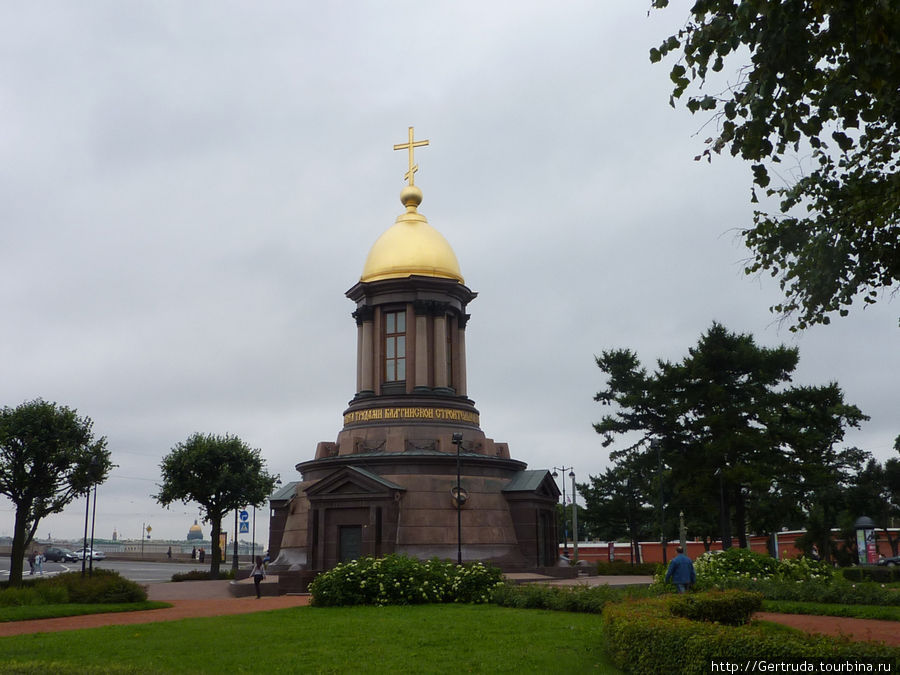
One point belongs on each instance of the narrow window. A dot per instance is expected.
(450, 378)
(395, 346)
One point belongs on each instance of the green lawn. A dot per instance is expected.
(422, 638)
(28, 612)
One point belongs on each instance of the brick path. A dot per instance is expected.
(189, 599)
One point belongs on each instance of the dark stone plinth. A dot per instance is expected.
(295, 582)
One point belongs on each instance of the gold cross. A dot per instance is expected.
(413, 167)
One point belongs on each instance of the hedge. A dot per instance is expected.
(589, 599)
(732, 608)
(881, 575)
(643, 637)
(625, 568)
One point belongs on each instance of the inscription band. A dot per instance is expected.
(412, 413)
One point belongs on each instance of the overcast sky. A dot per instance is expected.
(189, 188)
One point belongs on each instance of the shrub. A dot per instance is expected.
(473, 582)
(590, 599)
(35, 594)
(643, 637)
(625, 568)
(103, 586)
(837, 591)
(720, 569)
(401, 580)
(731, 608)
(881, 575)
(852, 573)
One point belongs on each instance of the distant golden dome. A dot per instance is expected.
(195, 532)
(411, 246)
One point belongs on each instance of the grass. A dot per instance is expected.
(880, 612)
(421, 638)
(28, 612)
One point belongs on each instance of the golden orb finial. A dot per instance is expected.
(411, 197)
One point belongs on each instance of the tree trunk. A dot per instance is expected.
(740, 516)
(216, 523)
(632, 534)
(19, 544)
(724, 515)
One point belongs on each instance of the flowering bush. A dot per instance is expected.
(721, 569)
(401, 580)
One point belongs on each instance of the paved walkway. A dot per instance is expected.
(861, 630)
(188, 598)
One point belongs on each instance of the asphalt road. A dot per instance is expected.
(142, 572)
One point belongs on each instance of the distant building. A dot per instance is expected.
(195, 533)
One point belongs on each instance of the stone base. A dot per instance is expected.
(295, 582)
(246, 588)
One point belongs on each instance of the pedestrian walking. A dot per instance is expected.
(39, 563)
(31, 558)
(681, 571)
(258, 573)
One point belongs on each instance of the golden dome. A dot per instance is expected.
(195, 532)
(411, 246)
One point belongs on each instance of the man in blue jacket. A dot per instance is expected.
(681, 571)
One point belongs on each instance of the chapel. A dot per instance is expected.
(411, 471)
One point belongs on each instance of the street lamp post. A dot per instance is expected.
(234, 559)
(563, 469)
(92, 470)
(457, 441)
(93, 522)
(574, 519)
(87, 509)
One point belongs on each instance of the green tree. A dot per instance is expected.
(616, 506)
(220, 474)
(816, 473)
(48, 457)
(818, 79)
(709, 415)
(730, 432)
(731, 388)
